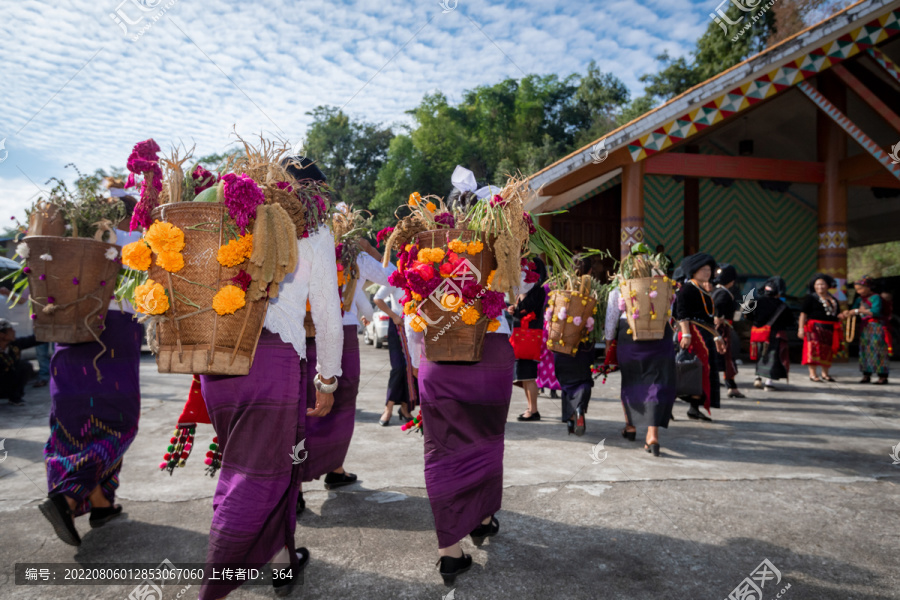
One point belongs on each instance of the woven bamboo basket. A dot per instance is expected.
(652, 312)
(565, 334)
(447, 337)
(198, 340)
(79, 280)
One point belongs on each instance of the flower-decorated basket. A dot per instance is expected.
(648, 302)
(456, 327)
(70, 281)
(571, 314)
(191, 334)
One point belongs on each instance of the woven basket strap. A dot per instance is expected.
(212, 346)
(585, 284)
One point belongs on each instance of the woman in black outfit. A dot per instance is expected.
(819, 327)
(773, 313)
(695, 312)
(574, 372)
(728, 308)
(526, 370)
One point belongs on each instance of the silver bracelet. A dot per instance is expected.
(717, 339)
(325, 388)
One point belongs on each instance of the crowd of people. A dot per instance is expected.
(304, 382)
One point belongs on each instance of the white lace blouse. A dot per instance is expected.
(287, 311)
(369, 270)
(613, 314)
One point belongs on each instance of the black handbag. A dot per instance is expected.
(688, 374)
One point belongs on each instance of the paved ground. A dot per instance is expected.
(801, 477)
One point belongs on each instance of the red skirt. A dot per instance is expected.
(821, 342)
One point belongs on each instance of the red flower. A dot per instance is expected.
(242, 280)
(383, 235)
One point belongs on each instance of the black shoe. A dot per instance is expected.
(554, 395)
(881, 381)
(57, 511)
(17, 402)
(485, 531)
(579, 423)
(697, 416)
(629, 435)
(301, 503)
(451, 567)
(866, 379)
(735, 394)
(336, 480)
(571, 426)
(534, 417)
(652, 448)
(102, 516)
(284, 584)
(405, 418)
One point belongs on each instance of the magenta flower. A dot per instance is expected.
(203, 179)
(42, 277)
(242, 280)
(530, 222)
(497, 200)
(51, 299)
(74, 281)
(284, 185)
(445, 219)
(338, 250)
(242, 196)
(143, 160)
(26, 270)
(102, 283)
(471, 289)
(492, 304)
(383, 235)
(397, 280)
(34, 317)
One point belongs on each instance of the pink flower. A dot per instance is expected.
(42, 277)
(497, 200)
(74, 281)
(445, 219)
(471, 290)
(562, 313)
(143, 160)
(203, 179)
(102, 283)
(577, 320)
(383, 235)
(622, 306)
(242, 196)
(51, 299)
(590, 322)
(26, 270)
(338, 250)
(284, 185)
(653, 294)
(397, 280)
(242, 280)
(530, 222)
(492, 304)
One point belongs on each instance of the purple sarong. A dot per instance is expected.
(328, 437)
(464, 411)
(259, 418)
(648, 378)
(92, 423)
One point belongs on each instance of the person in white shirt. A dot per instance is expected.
(328, 439)
(261, 419)
(401, 383)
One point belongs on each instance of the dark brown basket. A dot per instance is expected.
(79, 309)
(447, 337)
(564, 335)
(193, 340)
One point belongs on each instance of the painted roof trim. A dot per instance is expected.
(802, 56)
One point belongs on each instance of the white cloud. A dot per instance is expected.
(281, 59)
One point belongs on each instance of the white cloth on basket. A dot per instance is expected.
(287, 312)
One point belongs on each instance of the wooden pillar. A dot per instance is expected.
(691, 210)
(632, 206)
(831, 147)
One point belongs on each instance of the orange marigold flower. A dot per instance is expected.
(431, 207)
(475, 247)
(136, 255)
(469, 315)
(417, 323)
(170, 261)
(235, 251)
(494, 325)
(229, 299)
(415, 198)
(416, 297)
(437, 254)
(490, 278)
(458, 246)
(150, 298)
(410, 308)
(164, 237)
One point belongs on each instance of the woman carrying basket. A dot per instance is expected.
(695, 312)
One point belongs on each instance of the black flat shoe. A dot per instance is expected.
(735, 394)
(652, 449)
(336, 480)
(881, 381)
(384, 423)
(554, 395)
(629, 435)
(579, 423)
(284, 580)
(485, 531)
(866, 379)
(698, 416)
(57, 511)
(102, 516)
(450, 567)
(571, 426)
(829, 379)
(816, 379)
(534, 417)
(301, 503)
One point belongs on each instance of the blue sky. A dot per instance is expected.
(78, 87)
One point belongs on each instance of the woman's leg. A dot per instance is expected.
(531, 395)
(652, 435)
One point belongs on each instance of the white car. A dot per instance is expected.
(377, 329)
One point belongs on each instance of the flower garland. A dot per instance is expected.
(143, 160)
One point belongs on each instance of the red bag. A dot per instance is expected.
(526, 342)
(758, 335)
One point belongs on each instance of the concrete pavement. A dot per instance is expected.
(801, 477)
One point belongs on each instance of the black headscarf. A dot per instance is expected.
(302, 167)
(774, 286)
(725, 274)
(678, 275)
(693, 263)
(829, 281)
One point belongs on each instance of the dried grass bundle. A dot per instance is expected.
(274, 251)
(173, 175)
(405, 230)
